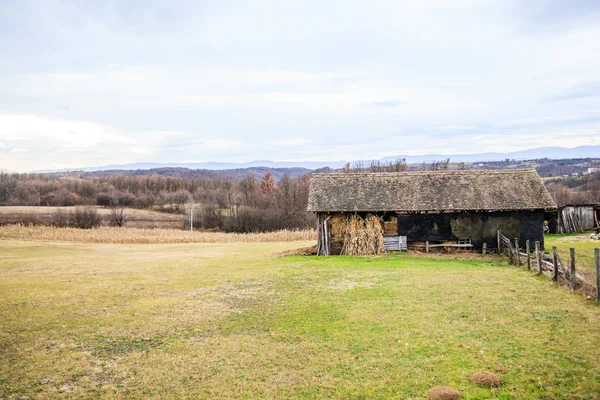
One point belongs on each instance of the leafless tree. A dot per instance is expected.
(85, 218)
(118, 216)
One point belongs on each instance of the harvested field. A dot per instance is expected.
(234, 320)
(145, 236)
(43, 215)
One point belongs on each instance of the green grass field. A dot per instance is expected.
(238, 321)
(583, 245)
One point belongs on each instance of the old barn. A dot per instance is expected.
(370, 211)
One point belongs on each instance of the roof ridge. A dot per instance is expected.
(476, 171)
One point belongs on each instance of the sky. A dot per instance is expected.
(86, 83)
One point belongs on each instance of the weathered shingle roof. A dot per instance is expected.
(429, 191)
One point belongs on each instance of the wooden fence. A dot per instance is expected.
(553, 266)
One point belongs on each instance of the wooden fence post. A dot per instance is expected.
(484, 248)
(572, 272)
(499, 243)
(517, 252)
(528, 251)
(427, 246)
(555, 264)
(538, 257)
(597, 264)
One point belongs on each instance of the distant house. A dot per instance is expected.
(436, 207)
(591, 171)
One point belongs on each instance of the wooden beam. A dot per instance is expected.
(572, 276)
(555, 264)
(538, 257)
(597, 264)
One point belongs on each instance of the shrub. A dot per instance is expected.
(85, 218)
(118, 217)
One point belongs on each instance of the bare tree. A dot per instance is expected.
(85, 218)
(118, 216)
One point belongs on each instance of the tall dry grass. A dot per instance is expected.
(136, 235)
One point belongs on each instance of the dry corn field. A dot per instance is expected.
(146, 236)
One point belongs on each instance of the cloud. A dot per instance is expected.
(19, 150)
(2, 145)
(580, 91)
(385, 103)
(152, 82)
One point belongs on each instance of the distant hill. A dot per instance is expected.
(188, 173)
(531, 154)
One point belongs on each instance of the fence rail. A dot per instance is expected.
(558, 271)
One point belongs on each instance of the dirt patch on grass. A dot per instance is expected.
(302, 251)
(443, 393)
(453, 256)
(345, 284)
(238, 296)
(487, 379)
(501, 368)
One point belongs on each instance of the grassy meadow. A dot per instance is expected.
(583, 245)
(238, 320)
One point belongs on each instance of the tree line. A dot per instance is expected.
(251, 204)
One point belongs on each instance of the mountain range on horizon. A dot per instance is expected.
(550, 152)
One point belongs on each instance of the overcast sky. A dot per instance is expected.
(89, 83)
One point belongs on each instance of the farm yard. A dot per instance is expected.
(243, 320)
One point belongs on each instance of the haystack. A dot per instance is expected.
(487, 379)
(443, 393)
(362, 236)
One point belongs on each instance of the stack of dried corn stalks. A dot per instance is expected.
(363, 236)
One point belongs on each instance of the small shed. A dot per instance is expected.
(577, 218)
(441, 207)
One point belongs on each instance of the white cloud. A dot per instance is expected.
(283, 81)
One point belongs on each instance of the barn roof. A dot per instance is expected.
(429, 191)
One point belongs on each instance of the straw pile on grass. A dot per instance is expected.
(443, 393)
(487, 379)
(362, 236)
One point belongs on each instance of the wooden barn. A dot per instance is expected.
(372, 210)
(576, 218)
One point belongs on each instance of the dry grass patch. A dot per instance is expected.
(230, 320)
(345, 284)
(486, 378)
(443, 393)
(145, 236)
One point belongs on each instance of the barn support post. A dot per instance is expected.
(528, 251)
(517, 252)
(597, 265)
(554, 264)
(573, 278)
(538, 257)
(499, 243)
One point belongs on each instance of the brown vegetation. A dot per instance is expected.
(362, 236)
(443, 393)
(221, 202)
(134, 235)
(486, 378)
